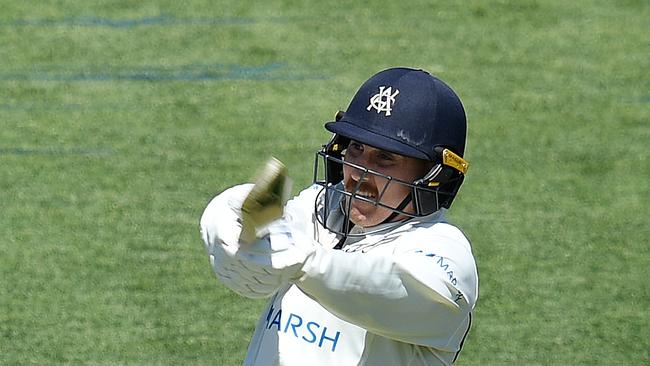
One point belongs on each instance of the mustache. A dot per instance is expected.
(362, 189)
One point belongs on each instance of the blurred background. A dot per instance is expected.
(120, 120)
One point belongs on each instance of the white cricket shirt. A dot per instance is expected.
(399, 297)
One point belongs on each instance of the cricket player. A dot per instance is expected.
(362, 268)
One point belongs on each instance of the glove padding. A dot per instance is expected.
(260, 269)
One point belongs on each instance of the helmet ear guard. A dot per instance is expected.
(438, 188)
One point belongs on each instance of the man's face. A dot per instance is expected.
(367, 214)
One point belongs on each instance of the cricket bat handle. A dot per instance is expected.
(265, 202)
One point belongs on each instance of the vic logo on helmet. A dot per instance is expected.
(384, 100)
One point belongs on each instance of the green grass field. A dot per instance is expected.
(119, 120)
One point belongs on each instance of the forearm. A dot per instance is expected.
(374, 292)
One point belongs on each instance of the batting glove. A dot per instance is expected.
(259, 269)
(220, 229)
(278, 257)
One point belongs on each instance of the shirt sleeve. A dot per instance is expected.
(299, 211)
(421, 293)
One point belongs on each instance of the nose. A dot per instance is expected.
(356, 172)
(358, 175)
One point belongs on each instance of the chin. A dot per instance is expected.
(368, 219)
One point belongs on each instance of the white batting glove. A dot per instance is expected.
(228, 269)
(220, 220)
(220, 229)
(259, 269)
(279, 256)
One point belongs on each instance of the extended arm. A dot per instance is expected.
(415, 296)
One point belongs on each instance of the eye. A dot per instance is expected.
(354, 149)
(385, 156)
(355, 146)
(385, 159)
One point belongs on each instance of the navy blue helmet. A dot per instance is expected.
(408, 112)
